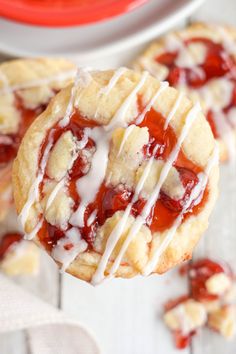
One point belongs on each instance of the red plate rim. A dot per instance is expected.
(77, 14)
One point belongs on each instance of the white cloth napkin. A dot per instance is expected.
(50, 331)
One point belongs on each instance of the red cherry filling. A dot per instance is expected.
(7, 241)
(182, 341)
(217, 63)
(115, 199)
(54, 234)
(199, 272)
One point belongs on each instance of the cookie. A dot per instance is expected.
(26, 87)
(117, 177)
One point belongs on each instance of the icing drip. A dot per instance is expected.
(34, 190)
(174, 110)
(127, 133)
(54, 192)
(34, 232)
(82, 79)
(92, 217)
(107, 89)
(88, 185)
(35, 83)
(194, 196)
(118, 119)
(162, 87)
(68, 248)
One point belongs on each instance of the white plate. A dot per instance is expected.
(94, 41)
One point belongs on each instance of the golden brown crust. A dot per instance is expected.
(34, 81)
(102, 109)
(217, 33)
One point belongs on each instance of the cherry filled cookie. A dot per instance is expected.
(117, 177)
(26, 86)
(200, 60)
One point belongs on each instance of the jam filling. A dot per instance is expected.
(111, 199)
(7, 241)
(218, 63)
(199, 272)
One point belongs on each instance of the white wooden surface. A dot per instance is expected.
(125, 315)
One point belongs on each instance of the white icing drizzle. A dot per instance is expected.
(118, 118)
(107, 89)
(127, 133)
(54, 192)
(163, 86)
(88, 185)
(92, 217)
(83, 142)
(64, 256)
(82, 79)
(114, 79)
(34, 190)
(174, 110)
(196, 194)
(62, 76)
(33, 233)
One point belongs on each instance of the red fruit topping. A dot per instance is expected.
(114, 200)
(199, 272)
(167, 59)
(182, 341)
(176, 76)
(88, 233)
(7, 241)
